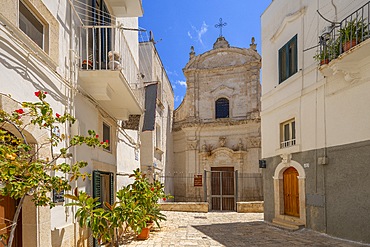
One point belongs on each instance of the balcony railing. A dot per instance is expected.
(350, 32)
(288, 143)
(106, 48)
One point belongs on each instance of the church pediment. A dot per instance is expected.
(223, 58)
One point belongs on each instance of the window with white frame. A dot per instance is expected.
(288, 62)
(31, 25)
(287, 134)
(107, 136)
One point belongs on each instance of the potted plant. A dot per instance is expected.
(352, 33)
(147, 195)
(322, 57)
(329, 51)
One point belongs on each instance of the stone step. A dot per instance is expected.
(287, 224)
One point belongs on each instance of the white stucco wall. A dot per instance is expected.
(25, 69)
(322, 107)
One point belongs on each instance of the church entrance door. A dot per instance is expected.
(222, 188)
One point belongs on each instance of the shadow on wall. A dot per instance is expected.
(28, 70)
(57, 237)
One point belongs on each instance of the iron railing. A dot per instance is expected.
(350, 32)
(106, 48)
(245, 187)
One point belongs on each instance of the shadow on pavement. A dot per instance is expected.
(258, 233)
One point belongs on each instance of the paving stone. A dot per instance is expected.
(231, 229)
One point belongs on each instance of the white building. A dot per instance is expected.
(156, 139)
(315, 118)
(62, 47)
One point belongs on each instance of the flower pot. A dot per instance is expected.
(324, 61)
(349, 44)
(145, 232)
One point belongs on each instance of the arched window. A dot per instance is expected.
(222, 108)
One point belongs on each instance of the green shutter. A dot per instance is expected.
(112, 194)
(96, 185)
(295, 54)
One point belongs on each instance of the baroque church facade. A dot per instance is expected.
(216, 129)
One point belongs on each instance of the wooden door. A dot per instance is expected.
(222, 188)
(291, 192)
(7, 210)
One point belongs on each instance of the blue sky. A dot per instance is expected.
(178, 25)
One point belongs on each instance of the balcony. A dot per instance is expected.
(126, 8)
(346, 44)
(108, 69)
(289, 143)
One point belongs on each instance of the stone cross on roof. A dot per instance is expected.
(220, 25)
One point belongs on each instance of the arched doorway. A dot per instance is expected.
(291, 192)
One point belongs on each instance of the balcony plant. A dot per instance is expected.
(330, 51)
(353, 33)
(322, 57)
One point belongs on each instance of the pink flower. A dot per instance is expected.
(106, 141)
(101, 142)
(152, 189)
(58, 115)
(164, 199)
(45, 92)
(38, 93)
(19, 111)
(97, 136)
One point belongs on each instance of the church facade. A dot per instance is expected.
(216, 131)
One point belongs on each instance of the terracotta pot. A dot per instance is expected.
(349, 44)
(145, 232)
(324, 61)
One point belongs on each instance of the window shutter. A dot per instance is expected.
(97, 185)
(112, 194)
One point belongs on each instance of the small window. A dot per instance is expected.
(30, 25)
(287, 134)
(288, 60)
(103, 187)
(106, 136)
(222, 108)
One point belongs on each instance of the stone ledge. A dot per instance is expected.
(200, 207)
(250, 207)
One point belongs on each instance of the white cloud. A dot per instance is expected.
(169, 72)
(199, 33)
(190, 36)
(181, 83)
(178, 98)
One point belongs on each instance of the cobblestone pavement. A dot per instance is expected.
(229, 229)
